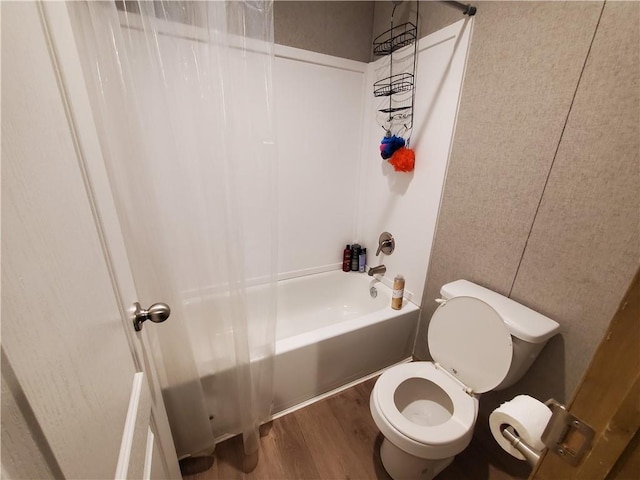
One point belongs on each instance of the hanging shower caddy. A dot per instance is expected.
(395, 86)
(398, 85)
(396, 91)
(395, 38)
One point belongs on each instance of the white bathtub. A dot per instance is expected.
(330, 332)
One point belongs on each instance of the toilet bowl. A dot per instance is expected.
(426, 411)
(418, 406)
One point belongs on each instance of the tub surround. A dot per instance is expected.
(317, 182)
(328, 198)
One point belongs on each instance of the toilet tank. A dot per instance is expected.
(529, 329)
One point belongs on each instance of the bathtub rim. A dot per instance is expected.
(287, 344)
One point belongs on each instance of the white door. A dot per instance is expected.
(80, 397)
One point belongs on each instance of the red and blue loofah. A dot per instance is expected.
(389, 145)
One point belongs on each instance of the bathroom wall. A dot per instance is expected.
(541, 198)
(342, 29)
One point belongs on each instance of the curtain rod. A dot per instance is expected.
(465, 8)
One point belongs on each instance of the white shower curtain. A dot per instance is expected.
(182, 98)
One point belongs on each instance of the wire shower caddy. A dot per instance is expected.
(398, 85)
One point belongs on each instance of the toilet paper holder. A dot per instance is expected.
(565, 435)
(530, 454)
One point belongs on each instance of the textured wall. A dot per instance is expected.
(342, 29)
(534, 209)
(584, 246)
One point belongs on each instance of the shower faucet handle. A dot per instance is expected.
(383, 246)
(386, 244)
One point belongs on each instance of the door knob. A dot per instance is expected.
(157, 313)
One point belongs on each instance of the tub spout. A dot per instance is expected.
(380, 269)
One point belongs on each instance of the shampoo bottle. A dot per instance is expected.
(355, 257)
(346, 259)
(362, 260)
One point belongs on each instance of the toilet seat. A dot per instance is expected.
(470, 340)
(455, 429)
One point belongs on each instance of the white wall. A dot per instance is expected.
(319, 105)
(406, 204)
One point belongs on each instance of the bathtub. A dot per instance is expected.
(330, 332)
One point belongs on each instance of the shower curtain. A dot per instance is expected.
(182, 96)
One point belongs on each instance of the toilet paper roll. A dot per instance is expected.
(527, 416)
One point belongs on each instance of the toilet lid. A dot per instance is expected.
(470, 340)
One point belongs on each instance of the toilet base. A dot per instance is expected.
(401, 465)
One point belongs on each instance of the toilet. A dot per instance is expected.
(479, 341)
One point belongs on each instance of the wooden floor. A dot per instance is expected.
(337, 439)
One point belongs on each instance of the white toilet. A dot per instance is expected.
(480, 341)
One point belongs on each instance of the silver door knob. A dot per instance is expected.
(157, 313)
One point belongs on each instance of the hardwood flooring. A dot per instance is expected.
(336, 438)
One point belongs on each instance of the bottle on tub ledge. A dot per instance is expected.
(362, 260)
(346, 259)
(398, 292)
(355, 257)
